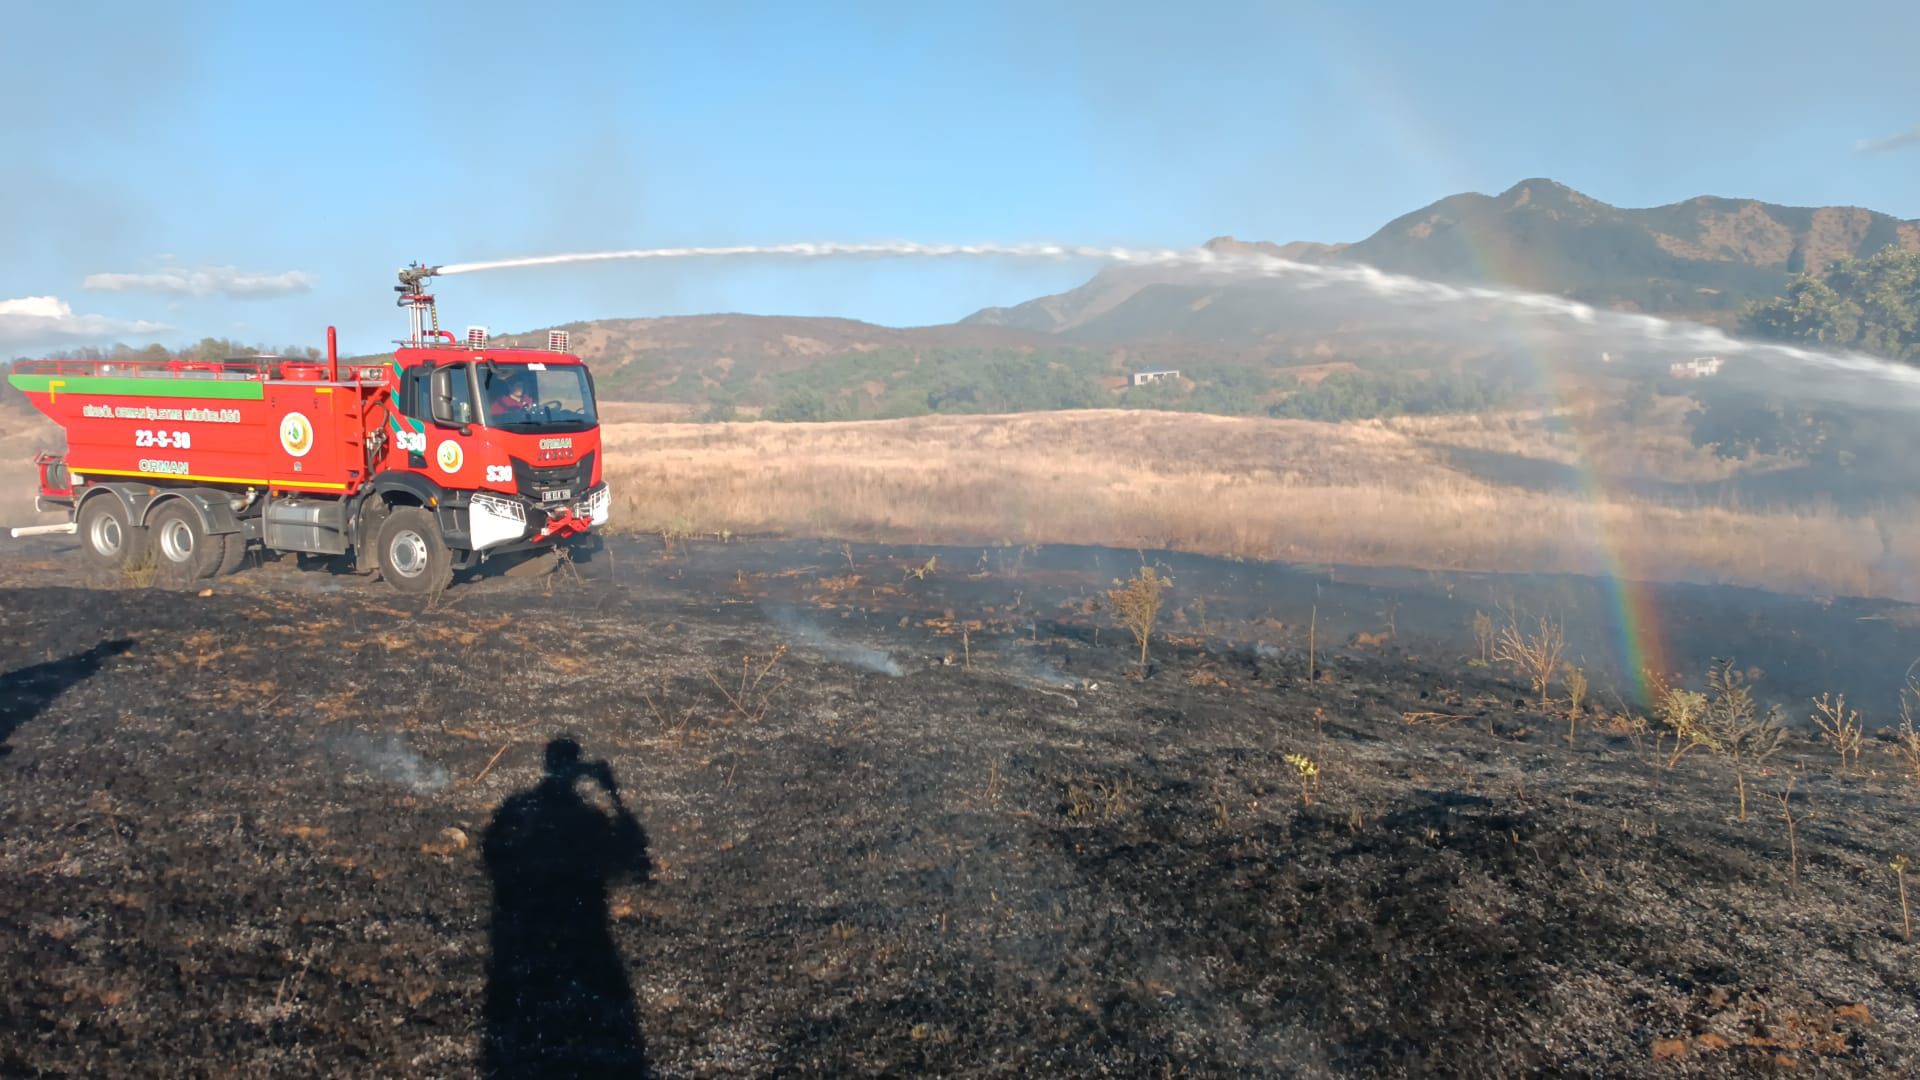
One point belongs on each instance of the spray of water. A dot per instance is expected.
(1650, 332)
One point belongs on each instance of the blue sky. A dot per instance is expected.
(300, 155)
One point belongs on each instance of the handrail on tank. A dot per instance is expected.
(264, 369)
(148, 368)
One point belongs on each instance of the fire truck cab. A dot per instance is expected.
(501, 445)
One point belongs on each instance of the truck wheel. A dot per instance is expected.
(109, 539)
(413, 557)
(183, 553)
(233, 554)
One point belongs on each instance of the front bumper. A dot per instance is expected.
(489, 522)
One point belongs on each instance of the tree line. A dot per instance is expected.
(891, 384)
(208, 348)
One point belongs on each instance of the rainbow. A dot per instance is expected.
(1639, 645)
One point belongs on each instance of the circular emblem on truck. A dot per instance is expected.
(449, 456)
(296, 434)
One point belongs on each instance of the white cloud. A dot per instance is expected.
(1910, 137)
(227, 281)
(49, 320)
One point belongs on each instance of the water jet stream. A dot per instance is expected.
(1665, 336)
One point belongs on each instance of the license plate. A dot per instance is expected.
(556, 495)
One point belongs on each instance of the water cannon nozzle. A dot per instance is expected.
(413, 277)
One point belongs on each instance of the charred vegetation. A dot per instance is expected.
(308, 828)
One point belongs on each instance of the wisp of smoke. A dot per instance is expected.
(1910, 137)
(1869, 380)
(815, 637)
(1024, 667)
(394, 761)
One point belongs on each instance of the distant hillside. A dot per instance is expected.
(1704, 258)
(698, 358)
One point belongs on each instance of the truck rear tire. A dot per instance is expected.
(183, 553)
(110, 541)
(413, 557)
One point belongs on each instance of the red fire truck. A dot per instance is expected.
(453, 451)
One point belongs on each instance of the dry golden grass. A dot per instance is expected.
(1585, 436)
(1370, 492)
(1390, 492)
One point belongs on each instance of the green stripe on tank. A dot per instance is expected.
(237, 389)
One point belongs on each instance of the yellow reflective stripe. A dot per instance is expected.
(210, 479)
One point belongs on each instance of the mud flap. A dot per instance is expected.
(366, 526)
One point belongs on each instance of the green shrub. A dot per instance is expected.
(1346, 395)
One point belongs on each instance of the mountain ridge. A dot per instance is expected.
(1701, 258)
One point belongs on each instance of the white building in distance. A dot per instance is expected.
(1700, 367)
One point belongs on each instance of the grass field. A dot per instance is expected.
(1510, 492)
(1517, 491)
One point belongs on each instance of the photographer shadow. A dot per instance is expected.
(558, 1000)
(27, 692)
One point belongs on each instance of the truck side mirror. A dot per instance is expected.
(442, 407)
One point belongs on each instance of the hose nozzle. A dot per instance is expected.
(413, 278)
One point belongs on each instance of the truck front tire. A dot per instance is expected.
(413, 557)
(109, 539)
(183, 553)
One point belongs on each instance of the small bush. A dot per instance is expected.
(1483, 640)
(1097, 802)
(1679, 713)
(1136, 603)
(1739, 730)
(1840, 726)
(1535, 652)
(1906, 740)
(1576, 683)
(1308, 771)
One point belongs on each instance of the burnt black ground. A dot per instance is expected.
(255, 839)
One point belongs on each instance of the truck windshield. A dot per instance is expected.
(525, 397)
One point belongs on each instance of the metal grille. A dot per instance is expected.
(536, 482)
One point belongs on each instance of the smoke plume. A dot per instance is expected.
(812, 636)
(393, 761)
(1910, 137)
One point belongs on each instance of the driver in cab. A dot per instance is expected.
(515, 396)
